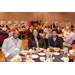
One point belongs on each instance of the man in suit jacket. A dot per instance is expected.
(53, 25)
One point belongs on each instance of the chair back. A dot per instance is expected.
(73, 42)
(2, 38)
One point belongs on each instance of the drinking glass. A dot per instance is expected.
(50, 49)
(51, 53)
(47, 56)
(28, 56)
(33, 50)
(65, 52)
(61, 51)
(71, 56)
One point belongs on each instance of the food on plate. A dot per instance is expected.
(56, 48)
(16, 60)
(74, 50)
(24, 51)
(39, 48)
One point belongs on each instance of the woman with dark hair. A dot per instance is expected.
(36, 40)
(55, 41)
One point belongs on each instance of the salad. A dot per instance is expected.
(39, 49)
(16, 60)
(56, 48)
(24, 51)
(74, 50)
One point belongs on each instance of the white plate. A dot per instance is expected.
(42, 54)
(34, 56)
(42, 59)
(56, 53)
(65, 59)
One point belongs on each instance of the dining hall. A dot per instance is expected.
(37, 37)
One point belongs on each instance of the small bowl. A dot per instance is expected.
(41, 54)
(56, 51)
(42, 59)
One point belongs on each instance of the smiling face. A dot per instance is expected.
(35, 33)
(54, 34)
(15, 34)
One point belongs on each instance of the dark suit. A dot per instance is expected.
(3, 33)
(32, 43)
(59, 32)
(59, 42)
(53, 26)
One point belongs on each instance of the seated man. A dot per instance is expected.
(66, 33)
(12, 46)
(70, 37)
(59, 30)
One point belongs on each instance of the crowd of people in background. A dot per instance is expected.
(35, 35)
(44, 31)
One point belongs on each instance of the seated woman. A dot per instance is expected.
(55, 41)
(36, 40)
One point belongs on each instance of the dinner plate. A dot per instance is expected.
(65, 59)
(30, 61)
(56, 53)
(12, 60)
(34, 56)
(49, 59)
(41, 54)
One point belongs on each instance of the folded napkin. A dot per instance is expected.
(40, 51)
(22, 60)
(22, 54)
(63, 41)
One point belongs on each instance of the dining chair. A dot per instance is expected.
(2, 38)
(24, 34)
(20, 34)
(73, 42)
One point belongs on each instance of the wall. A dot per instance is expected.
(45, 16)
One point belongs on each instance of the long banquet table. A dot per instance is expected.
(57, 58)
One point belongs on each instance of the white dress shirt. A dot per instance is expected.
(66, 33)
(70, 38)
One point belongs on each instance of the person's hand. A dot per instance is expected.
(9, 57)
(64, 37)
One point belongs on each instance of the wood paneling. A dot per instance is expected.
(45, 16)
(1, 16)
